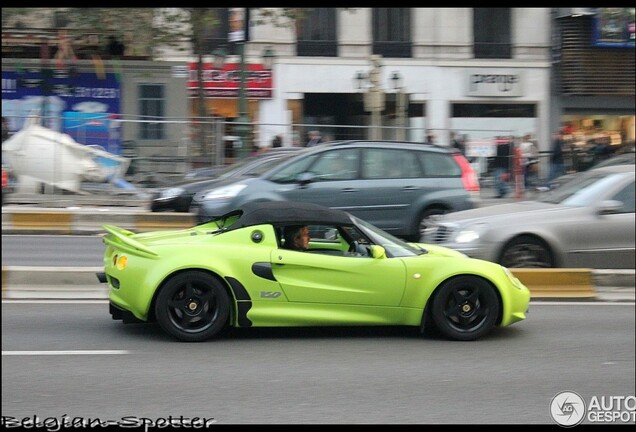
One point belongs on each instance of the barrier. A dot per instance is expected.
(60, 221)
(557, 282)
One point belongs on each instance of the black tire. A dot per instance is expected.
(465, 308)
(192, 307)
(425, 222)
(526, 252)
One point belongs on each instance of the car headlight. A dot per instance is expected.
(514, 279)
(225, 192)
(170, 193)
(470, 233)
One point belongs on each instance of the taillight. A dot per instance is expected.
(469, 177)
(5, 178)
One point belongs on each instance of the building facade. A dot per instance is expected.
(395, 73)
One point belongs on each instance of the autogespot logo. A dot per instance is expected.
(567, 408)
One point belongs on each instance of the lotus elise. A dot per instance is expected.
(238, 270)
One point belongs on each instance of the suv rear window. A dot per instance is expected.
(439, 165)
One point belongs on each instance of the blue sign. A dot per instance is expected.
(82, 105)
(614, 27)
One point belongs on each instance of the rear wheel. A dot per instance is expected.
(526, 252)
(192, 307)
(465, 308)
(427, 221)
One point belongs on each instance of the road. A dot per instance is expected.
(70, 359)
(52, 250)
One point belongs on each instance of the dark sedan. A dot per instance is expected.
(179, 196)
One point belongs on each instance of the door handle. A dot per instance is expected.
(349, 190)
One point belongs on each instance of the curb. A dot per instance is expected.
(19, 282)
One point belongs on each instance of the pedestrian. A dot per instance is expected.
(314, 139)
(277, 141)
(430, 137)
(528, 158)
(502, 167)
(457, 143)
(557, 163)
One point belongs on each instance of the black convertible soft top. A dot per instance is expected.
(285, 213)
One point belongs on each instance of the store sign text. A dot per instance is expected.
(226, 82)
(488, 83)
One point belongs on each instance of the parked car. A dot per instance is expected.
(396, 186)
(237, 271)
(178, 197)
(587, 222)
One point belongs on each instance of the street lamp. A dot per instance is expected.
(243, 126)
(396, 80)
(374, 96)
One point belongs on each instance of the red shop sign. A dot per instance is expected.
(225, 82)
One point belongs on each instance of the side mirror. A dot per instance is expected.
(377, 252)
(609, 207)
(305, 177)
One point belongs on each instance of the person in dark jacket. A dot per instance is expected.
(502, 168)
(557, 163)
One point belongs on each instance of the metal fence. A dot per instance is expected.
(173, 147)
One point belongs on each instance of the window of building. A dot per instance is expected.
(492, 33)
(316, 32)
(392, 32)
(151, 107)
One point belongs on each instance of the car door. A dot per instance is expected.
(332, 278)
(333, 182)
(606, 240)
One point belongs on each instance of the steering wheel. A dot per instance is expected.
(353, 247)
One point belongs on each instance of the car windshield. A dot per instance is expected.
(581, 191)
(393, 246)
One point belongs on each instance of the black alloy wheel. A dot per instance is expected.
(465, 308)
(192, 306)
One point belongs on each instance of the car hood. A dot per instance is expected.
(524, 209)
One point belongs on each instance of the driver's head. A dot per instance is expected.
(296, 237)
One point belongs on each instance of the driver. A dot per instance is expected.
(296, 237)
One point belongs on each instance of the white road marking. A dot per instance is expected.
(68, 352)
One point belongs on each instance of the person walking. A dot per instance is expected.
(502, 168)
(277, 141)
(457, 142)
(557, 163)
(314, 139)
(528, 159)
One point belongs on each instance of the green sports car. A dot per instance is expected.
(241, 270)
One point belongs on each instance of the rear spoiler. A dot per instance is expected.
(121, 239)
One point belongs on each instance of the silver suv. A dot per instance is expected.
(396, 186)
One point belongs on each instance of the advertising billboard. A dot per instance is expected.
(614, 27)
(82, 105)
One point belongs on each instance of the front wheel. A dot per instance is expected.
(427, 222)
(465, 308)
(526, 252)
(192, 307)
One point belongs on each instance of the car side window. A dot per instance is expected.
(289, 173)
(626, 196)
(390, 163)
(439, 165)
(336, 165)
